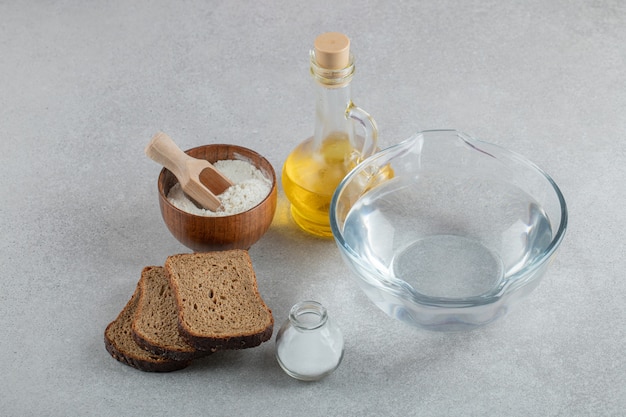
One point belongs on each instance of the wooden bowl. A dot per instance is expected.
(237, 231)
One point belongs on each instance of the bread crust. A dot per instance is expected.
(158, 343)
(236, 339)
(118, 339)
(201, 342)
(236, 317)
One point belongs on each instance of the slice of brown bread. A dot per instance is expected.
(120, 344)
(219, 305)
(155, 326)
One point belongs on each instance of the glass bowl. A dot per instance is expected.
(446, 232)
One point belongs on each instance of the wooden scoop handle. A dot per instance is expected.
(198, 178)
(163, 150)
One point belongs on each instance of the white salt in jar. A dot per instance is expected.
(309, 345)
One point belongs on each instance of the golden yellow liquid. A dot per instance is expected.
(310, 177)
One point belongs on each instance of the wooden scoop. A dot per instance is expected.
(197, 177)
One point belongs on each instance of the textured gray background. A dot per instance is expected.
(84, 85)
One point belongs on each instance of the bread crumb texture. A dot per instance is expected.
(217, 293)
(193, 306)
(155, 326)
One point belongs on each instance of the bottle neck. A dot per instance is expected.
(333, 98)
(331, 105)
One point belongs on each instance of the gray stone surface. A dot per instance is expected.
(84, 85)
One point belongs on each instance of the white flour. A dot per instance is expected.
(249, 189)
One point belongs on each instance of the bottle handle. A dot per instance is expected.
(368, 123)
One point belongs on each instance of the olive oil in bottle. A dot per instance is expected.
(314, 169)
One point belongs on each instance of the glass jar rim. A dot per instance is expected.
(308, 315)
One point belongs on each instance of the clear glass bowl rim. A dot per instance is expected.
(402, 289)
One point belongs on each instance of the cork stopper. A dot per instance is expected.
(332, 50)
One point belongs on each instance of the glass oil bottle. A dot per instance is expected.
(317, 165)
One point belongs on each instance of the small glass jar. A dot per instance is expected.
(308, 345)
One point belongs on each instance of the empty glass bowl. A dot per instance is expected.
(461, 231)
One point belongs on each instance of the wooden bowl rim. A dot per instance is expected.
(272, 172)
